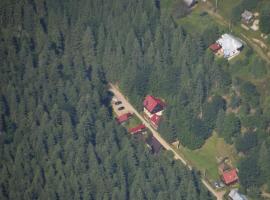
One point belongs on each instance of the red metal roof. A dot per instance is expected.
(215, 47)
(155, 119)
(230, 176)
(137, 129)
(123, 118)
(151, 102)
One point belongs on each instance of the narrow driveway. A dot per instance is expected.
(129, 107)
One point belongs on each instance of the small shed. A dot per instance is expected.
(235, 195)
(247, 17)
(215, 47)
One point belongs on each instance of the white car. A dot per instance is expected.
(114, 99)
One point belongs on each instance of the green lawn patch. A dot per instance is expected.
(132, 122)
(205, 158)
(196, 21)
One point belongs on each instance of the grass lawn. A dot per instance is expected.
(132, 122)
(204, 159)
(196, 21)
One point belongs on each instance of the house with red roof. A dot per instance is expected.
(123, 118)
(153, 109)
(230, 176)
(137, 129)
(215, 47)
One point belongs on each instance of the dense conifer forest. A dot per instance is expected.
(58, 138)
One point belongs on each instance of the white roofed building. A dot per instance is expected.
(231, 46)
(190, 3)
(235, 195)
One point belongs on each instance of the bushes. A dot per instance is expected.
(231, 127)
(249, 172)
(250, 94)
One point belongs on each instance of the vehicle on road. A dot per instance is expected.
(121, 108)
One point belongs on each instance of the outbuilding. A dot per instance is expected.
(215, 47)
(247, 17)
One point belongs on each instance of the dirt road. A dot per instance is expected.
(130, 108)
(219, 195)
(266, 195)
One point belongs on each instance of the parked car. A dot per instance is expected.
(121, 108)
(118, 103)
(221, 184)
(218, 184)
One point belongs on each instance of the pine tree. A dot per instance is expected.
(264, 161)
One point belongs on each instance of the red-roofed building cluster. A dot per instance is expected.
(123, 118)
(153, 108)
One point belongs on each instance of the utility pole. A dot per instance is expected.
(216, 5)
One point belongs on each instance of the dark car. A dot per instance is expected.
(121, 108)
(118, 103)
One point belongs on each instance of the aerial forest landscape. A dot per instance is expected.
(135, 99)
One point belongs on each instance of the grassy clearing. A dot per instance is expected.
(196, 21)
(205, 158)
